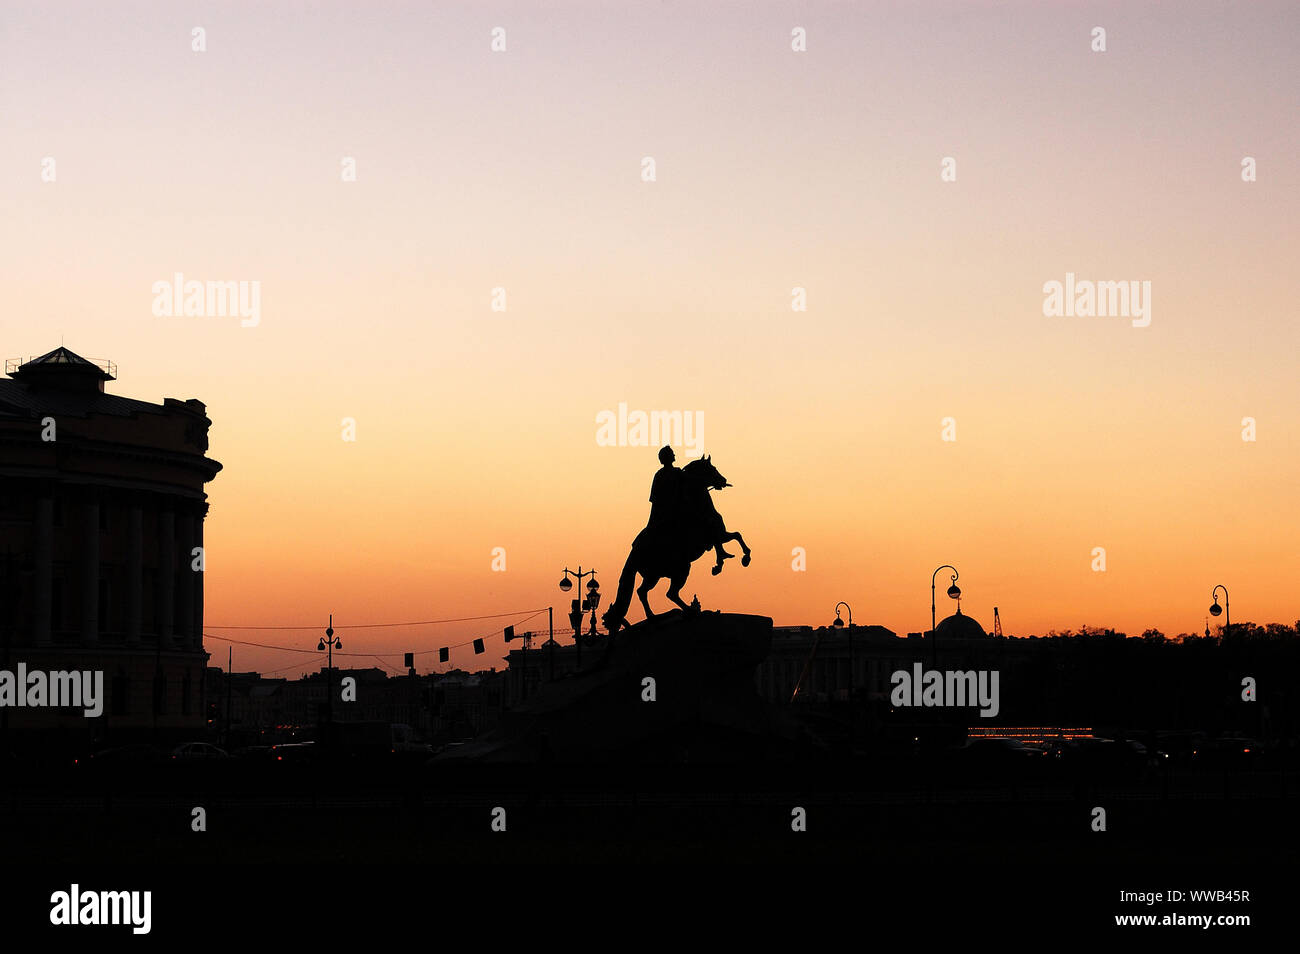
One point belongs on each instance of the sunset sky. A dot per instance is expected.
(522, 169)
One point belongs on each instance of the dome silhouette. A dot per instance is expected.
(960, 626)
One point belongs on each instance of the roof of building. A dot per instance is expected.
(960, 626)
(871, 630)
(63, 383)
(63, 356)
(18, 400)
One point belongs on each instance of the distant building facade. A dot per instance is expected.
(821, 658)
(246, 709)
(102, 506)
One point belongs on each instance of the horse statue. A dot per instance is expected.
(669, 549)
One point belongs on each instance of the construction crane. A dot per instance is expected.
(997, 623)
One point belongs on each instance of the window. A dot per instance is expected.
(185, 693)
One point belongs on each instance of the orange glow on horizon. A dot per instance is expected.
(477, 429)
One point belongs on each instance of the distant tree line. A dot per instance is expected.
(1246, 632)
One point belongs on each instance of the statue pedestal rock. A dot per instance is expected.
(706, 706)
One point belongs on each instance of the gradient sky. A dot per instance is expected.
(476, 429)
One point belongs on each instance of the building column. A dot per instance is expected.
(44, 558)
(134, 572)
(198, 582)
(90, 571)
(184, 544)
(166, 575)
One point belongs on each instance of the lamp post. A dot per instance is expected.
(1216, 609)
(839, 624)
(330, 642)
(953, 591)
(577, 608)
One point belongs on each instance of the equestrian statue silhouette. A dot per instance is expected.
(683, 526)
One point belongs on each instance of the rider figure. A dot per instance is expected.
(666, 491)
(666, 504)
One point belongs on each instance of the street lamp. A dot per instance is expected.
(839, 624)
(955, 593)
(1216, 609)
(330, 643)
(577, 608)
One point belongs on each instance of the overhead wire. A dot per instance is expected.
(421, 652)
(418, 622)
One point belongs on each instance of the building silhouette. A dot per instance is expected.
(102, 505)
(247, 709)
(1135, 687)
(1092, 678)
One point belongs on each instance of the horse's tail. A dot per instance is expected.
(615, 617)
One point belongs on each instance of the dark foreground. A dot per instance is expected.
(1015, 850)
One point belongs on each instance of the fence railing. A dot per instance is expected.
(108, 367)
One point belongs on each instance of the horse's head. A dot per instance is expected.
(702, 470)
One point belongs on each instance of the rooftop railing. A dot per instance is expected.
(108, 367)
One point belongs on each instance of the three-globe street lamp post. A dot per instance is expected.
(330, 642)
(579, 607)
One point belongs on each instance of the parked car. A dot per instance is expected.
(405, 741)
(377, 740)
(194, 751)
(294, 752)
(255, 753)
(1227, 752)
(1101, 755)
(997, 748)
(996, 758)
(136, 761)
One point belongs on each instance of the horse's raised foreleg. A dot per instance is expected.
(744, 560)
(724, 538)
